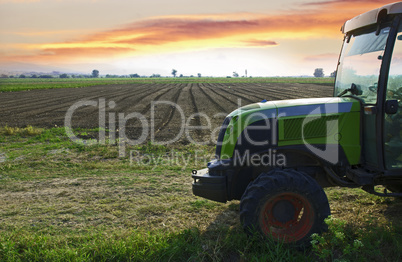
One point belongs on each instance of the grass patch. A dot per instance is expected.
(27, 131)
(343, 242)
(67, 201)
(20, 84)
(187, 245)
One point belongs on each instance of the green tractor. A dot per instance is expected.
(277, 156)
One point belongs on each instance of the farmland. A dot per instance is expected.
(20, 84)
(74, 201)
(48, 107)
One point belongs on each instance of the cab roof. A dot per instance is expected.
(371, 17)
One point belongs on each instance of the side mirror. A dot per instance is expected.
(391, 107)
(356, 90)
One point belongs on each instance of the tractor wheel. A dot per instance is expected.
(285, 205)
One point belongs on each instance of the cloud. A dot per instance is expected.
(377, 2)
(18, 1)
(72, 54)
(92, 51)
(176, 33)
(35, 1)
(321, 57)
(160, 31)
(260, 43)
(357, 5)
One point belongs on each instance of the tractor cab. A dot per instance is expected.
(370, 70)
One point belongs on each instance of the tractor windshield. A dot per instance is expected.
(359, 65)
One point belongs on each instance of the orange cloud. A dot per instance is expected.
(175, 33)
(76, 54)
(260, 43)
(346, 2)
(97, 51)
(358, 5)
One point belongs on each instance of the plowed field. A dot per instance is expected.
(159, 111)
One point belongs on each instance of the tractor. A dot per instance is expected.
(276, 157)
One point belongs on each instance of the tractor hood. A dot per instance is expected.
(299, 107)
(286, 118)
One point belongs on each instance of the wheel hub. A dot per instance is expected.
(283, 211)
(287, 216)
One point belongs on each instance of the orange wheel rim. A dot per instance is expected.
(287, 217)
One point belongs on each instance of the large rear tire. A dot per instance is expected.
(285, 205)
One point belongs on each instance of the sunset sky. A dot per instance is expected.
(211, 37)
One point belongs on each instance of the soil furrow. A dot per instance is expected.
(227, 91)
(47, 108)
(217, 105)
(170, 114)
(196, 118)
(55, 99)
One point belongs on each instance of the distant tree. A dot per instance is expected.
(34, 76)
(134, 75)
(11, 77)
(95, 73)
(45, 76)
(181, 75)
(63, 76)
(199, 74)
(333, 74)
(319, 72)
(112, 76)
(22, 76)
(174, 72)
(155, 75)
(235, 74)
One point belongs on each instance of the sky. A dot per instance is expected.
(210, 37)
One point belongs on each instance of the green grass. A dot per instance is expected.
(17, 84)
(69, 202)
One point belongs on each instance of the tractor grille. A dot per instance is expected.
(221, 136)
(315, 127)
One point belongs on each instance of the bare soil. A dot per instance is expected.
(163, 108)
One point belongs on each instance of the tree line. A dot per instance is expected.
(318, 72)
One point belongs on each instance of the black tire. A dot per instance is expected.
(285, 205)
